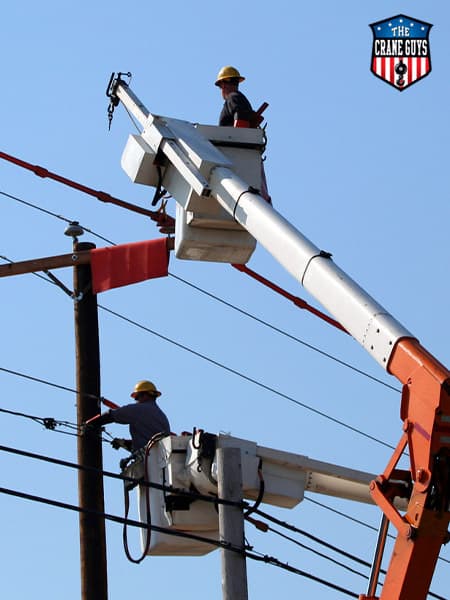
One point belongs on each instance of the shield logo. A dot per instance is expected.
(401, 51)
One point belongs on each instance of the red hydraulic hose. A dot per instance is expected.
(295, 299)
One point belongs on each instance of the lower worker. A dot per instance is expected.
(144, 417)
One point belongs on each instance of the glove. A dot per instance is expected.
(117, 443)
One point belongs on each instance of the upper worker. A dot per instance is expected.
(144, 417)
(236, 110)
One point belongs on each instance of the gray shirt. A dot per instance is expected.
(144, 418)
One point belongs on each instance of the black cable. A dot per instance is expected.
(49, 212)
(49, 383)
(283, 332)
(51, 424)
(211, 499)
(201, 497)
(217, 543)
(357, 521)
(275, 562)
(38, 380)
(317, 553)
(327, 545)
(312, 537)
(39, 420)
(121, 477)
(217, 298)
(246, 377)
(116, 519)
(251, 380)
(217, 364)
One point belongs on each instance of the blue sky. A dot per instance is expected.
(359, 168)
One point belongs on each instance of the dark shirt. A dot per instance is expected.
(144, 418)
(236, 106)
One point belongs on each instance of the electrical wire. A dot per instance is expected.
(117, 519)
(49, 212)
(162, 487)
(332, 547)
(216, 363)
(242, 375)
(262, 322)
(43, 381)
(317, 553)
(176, 533)
(275, 562)
(246, 377)
(253, 381)
(51, 424)
(283, 332)
(195, 495)
(357, 521)
(218, 299)
(312, 537)
(48, 422)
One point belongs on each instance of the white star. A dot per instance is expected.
(379, 28)
(390, 24)
(400, 20)
(411, 24)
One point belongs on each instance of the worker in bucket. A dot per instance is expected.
(236, 110)
(144, 417)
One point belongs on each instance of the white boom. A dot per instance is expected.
(194, 166)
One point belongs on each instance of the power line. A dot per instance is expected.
(224, 302)
(162, 487)
(324, 543)
(122, 477)
(283, 332)
(48, 422)
(218, 543)
(275, 562)
(317, 553)
(215, 500)
(357, 521)
(39, 380)
(49, 212)
(311, 537)
(216, 363)
(245, 377)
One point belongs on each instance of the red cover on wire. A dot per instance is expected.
(128, 263)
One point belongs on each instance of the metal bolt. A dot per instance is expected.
(421, 475)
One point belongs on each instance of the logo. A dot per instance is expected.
(401, 51)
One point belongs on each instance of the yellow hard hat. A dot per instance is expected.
(228, 73)
(145, 386)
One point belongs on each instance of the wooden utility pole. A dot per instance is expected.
(231, 524)
(94, 585)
